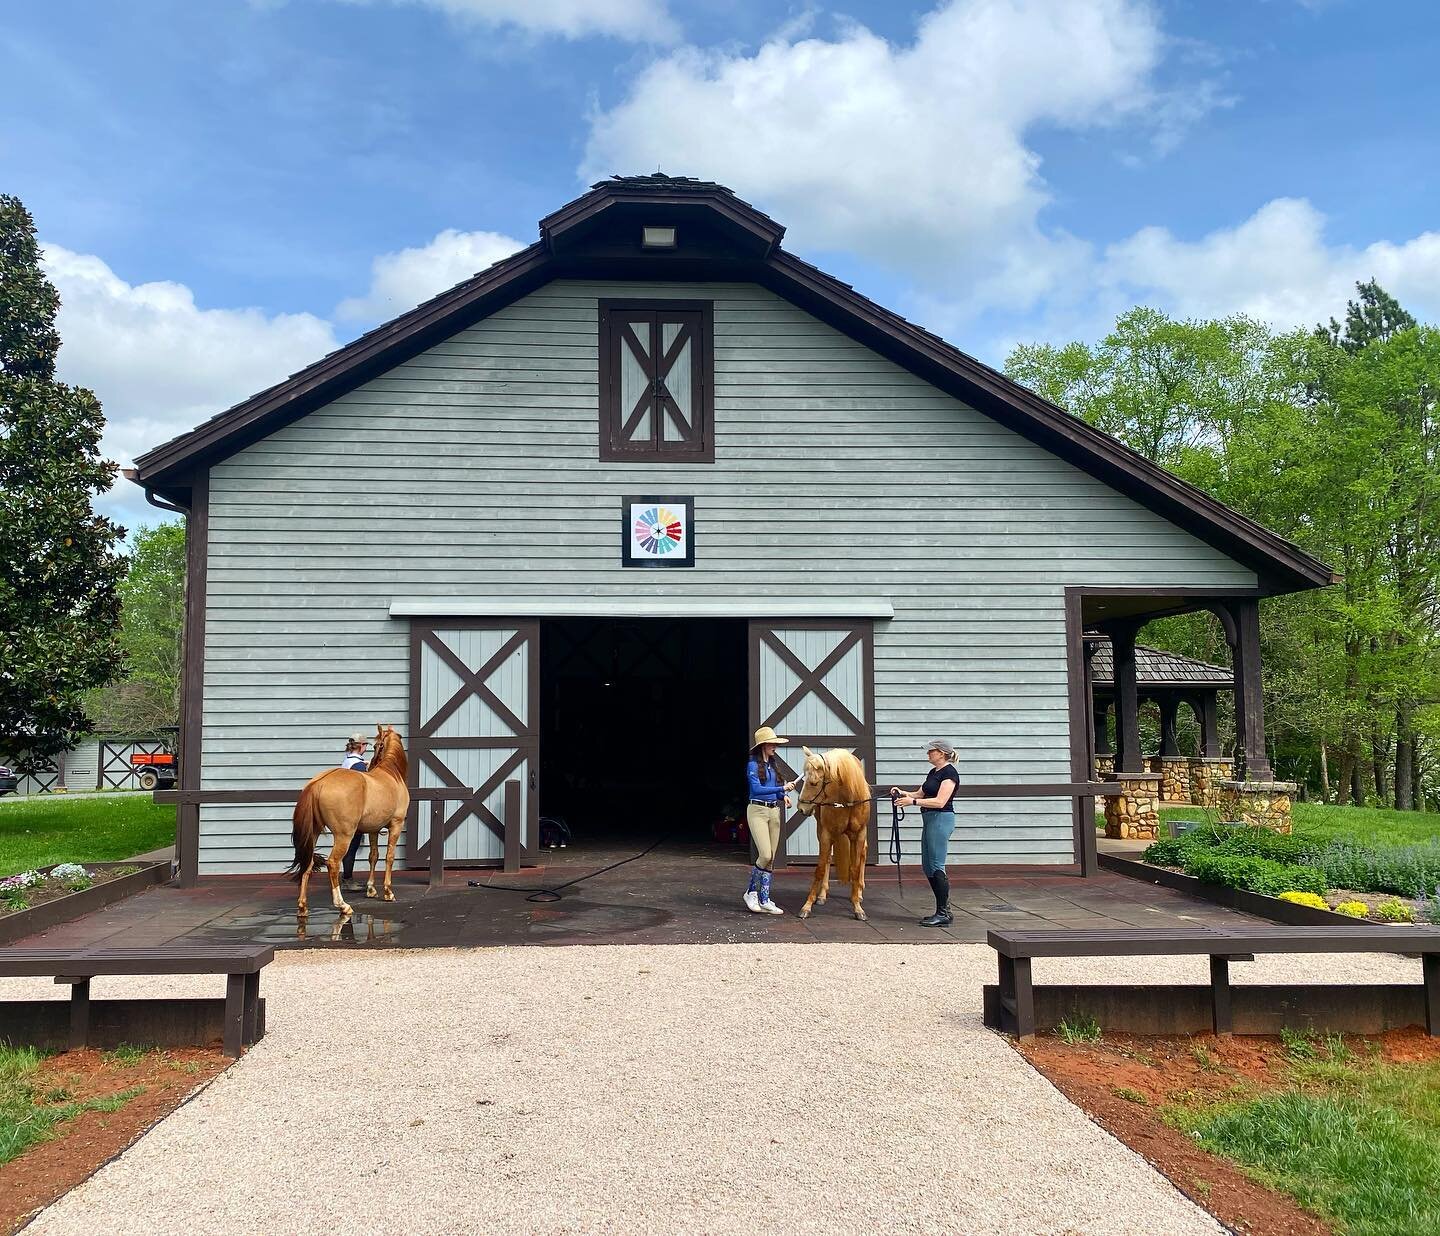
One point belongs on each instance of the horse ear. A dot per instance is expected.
(808, 752)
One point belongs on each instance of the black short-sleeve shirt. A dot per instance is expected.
(937, 778)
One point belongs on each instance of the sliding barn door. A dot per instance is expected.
(814, 683)
(474, 725)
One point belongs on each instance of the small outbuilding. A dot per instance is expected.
(583, 522)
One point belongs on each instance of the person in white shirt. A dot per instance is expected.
(354, 759)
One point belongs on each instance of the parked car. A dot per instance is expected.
(157, 770)
(9, 782)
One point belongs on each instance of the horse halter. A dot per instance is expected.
(819, 799)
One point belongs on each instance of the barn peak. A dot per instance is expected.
(700, 214)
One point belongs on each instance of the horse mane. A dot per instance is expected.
(849, 783)
(390, 757)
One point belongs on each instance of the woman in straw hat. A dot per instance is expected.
(767, 793)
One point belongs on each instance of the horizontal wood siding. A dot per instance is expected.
(473, 470)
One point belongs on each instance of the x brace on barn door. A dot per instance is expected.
(814, 682)
(474, 708)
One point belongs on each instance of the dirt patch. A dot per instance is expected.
(1122, 1080)
(80, 1146)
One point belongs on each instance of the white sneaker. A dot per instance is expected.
(752, 902)
(771, 908)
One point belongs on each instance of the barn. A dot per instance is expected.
(579, 524)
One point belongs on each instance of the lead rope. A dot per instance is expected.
(897, 813)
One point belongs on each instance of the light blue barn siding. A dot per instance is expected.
(472, 470)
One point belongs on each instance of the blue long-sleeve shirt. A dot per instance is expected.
(767, 791)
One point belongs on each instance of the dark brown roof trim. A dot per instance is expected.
(345, 368)
(660, 190)
(166, 469)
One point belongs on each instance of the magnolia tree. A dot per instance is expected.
(59, 564)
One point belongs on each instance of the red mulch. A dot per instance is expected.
(1165, 1069)
(80, 1146)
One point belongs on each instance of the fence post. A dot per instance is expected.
(514, 826)
(437, 842)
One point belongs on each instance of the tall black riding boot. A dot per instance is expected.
(940, 886)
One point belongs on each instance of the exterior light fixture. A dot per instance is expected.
(657, 238)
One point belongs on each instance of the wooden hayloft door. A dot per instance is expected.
(474, 725)
(814, 682)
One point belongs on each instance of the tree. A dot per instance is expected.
(59, 569)
(152, 616)
(1167, 389)
(1331, 438)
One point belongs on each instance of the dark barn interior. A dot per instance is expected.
(642, 727)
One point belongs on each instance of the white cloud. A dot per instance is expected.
(1276, 265)
(914, 155)
(400, 281)
(640, 21)
(159, 363)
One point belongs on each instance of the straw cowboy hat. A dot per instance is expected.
(765, 734)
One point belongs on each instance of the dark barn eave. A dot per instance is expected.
(721, 238)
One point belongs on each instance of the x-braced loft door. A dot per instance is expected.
(474, 714)
(814, 682)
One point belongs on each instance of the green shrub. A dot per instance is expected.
(1355, 909)
(1258, 875)
(1313, 900)
(1395, 911)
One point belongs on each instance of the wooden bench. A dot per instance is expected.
(240, 963)
(1015, 950)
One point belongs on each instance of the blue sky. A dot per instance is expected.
(228, 189)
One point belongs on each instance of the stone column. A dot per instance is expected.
(1174, 773)
(1135, 812)
(1206, 773)
(1260, 804)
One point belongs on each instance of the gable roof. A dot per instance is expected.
(722, 238)
(1155, 667)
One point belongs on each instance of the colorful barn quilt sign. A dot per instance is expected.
(657, 532)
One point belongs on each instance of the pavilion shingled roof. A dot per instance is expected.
(1156, 667)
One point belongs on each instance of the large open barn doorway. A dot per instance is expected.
(642, 727)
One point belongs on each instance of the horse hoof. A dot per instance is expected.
(804, 912)
(370, 891)
(860, 914)
(346, 910)
(302, 911)
(389, 896)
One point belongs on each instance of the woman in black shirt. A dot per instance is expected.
(937, 815)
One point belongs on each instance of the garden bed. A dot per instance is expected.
(63, 1117)
(1336, 879)
(1299, 1136)
(36, 901)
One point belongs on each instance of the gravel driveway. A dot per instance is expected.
(805, 1088)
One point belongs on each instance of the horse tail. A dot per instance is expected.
(305, 831)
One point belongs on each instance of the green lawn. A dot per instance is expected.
(37, 832)
(1357, 1141)
(1370, 825)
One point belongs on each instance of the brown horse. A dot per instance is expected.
(837, 794)
(346, 802)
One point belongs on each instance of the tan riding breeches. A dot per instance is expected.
(765, 829)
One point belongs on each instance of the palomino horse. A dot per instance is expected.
(837, 794)
(346, 802)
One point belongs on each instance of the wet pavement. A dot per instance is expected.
(675, 895)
